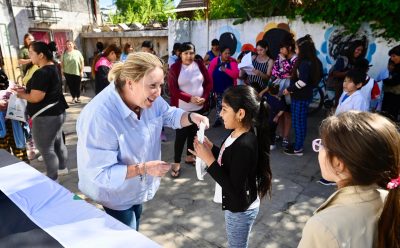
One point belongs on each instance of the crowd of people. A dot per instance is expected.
(120, 130)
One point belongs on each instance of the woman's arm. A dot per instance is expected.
(234, 71)
(173, 86)
(34, 96)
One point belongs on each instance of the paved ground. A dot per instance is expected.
(182, 213)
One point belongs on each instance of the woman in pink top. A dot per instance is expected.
(190, 86)
(102, 65)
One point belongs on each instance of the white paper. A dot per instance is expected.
(200, 165)
(247, 64)
(218, 193)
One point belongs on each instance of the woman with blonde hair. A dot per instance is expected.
(119, 145)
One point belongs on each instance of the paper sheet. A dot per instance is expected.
(200, 165)
(247, 64)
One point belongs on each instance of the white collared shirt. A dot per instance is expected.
(110, 137)
(355, 101)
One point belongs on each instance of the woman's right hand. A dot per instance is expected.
(157, 168)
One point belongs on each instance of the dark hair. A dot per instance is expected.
(42, 47)
(26, 36)
(176, 47)
(111, 48)
(264, 44)
(357, 76)
(353, 46)
(187, 46)
(307, 52)
(368, 145)
(256, 116)
(288, 42)
(215, 42)
(273, 89)
(198, 57)
(395, 50)
(126, 48)
(100, 46)
(223, 48)
(148, 44)
(362, 64)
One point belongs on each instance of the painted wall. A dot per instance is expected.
(329, 40)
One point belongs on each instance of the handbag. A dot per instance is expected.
(16, 108)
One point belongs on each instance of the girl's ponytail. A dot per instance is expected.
(264, 174)
(389, 222)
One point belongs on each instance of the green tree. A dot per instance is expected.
(382, 15)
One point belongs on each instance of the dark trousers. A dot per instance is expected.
(130, 216)
(391, 105)
(183, 135)
(74, 84)
(299, 121)
(272, 132)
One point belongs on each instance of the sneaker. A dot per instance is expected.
(217, 123)
(77, 101)
(285, 143)
(272, 147)
(40, 158)
(326, 182)
(63, 172)
(292, 151)
(163, 137)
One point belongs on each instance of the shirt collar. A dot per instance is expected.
(351, 194)
(120, 105)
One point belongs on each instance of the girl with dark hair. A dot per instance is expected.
(214, 52)
(241, 166)
(262, 64)
(223, 71)
(148, 47)
(360, 152)
(190, 86)
(46, 106)
(305, 76)
(281, 73)
(126, 51)
(343, 64)
(175, 54)
(391, 86)
(102, 65)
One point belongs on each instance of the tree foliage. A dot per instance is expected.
(143, 11)
(382, 15)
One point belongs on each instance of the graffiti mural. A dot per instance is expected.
(337, 41)
(229, 37)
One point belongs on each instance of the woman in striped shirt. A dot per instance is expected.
(262, 63)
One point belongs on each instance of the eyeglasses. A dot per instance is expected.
(317, 145)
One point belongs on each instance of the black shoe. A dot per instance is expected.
(293, 152)
(217, 123)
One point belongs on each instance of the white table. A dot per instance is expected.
(70, 221)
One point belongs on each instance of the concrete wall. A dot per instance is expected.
(74, 14)
(201, 34)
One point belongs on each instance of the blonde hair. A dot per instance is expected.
(136, 66)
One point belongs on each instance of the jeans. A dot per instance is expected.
(238, 227)
(130, 216)
(47, 133)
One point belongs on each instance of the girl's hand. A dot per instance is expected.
(206, 142)
(286, 92)
(203, 151)
(256, 72)
(276, 119)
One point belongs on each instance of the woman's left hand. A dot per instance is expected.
(197, 118)
(19, 90)
(202, 151)
(286, 92)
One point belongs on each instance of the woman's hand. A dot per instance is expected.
(3, 104)
(203, 151)
(156, 168)
(19, 91)
(197, 100)
(197, 118)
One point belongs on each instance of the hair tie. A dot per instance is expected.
(394, 183)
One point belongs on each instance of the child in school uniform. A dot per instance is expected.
(277, 106)
(352, 98)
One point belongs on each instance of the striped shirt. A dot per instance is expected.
(263, 67)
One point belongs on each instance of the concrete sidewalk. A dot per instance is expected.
(182, 214)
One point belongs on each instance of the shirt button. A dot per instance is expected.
(223, 206)
(223, 197)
